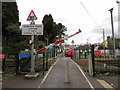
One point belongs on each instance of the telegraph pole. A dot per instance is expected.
(111, 10)
(104, 42)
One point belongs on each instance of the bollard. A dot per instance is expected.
(67, 72)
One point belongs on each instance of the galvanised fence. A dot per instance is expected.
(104, 61)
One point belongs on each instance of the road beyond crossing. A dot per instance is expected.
(56, 77)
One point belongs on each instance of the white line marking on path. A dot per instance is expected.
(47, 74)
(83, 74)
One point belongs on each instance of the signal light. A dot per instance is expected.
(29, 42)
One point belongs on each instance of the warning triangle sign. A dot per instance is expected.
(32, 16)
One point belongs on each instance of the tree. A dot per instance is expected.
(51, 29)
(15, 42)
(110, 43)
(61, 29)
(48, 27)
(117, 43)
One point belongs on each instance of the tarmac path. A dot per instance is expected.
(56, 77)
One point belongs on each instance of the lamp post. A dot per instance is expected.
(111, 10)
(118, 2)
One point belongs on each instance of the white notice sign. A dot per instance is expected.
(36, 29)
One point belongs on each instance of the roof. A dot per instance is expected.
(83, 47)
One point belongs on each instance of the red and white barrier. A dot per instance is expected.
(58, 42)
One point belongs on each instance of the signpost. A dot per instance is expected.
(32, 29)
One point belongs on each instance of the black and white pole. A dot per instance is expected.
(32, 70)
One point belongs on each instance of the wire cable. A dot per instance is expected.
(89, 14)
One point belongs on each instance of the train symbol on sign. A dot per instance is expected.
(32, 16)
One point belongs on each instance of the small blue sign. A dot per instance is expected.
(23, 55)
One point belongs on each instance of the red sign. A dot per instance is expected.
(2, 56)
(32, 16)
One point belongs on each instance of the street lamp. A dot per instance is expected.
(117, 2)
(111, 10)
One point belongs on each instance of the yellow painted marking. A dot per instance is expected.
(104, 84)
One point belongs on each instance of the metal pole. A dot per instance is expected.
(93, 59)
(47, 59)
(54, 52)
(118, 20)
(43, 62)
(71, 55)
(17, 63)
(104, 41)
(79, 54)
(32, 71)
(85, 54)
(112, 33)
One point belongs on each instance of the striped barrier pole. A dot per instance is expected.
(58, 42)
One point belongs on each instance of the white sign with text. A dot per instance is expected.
(28, 29)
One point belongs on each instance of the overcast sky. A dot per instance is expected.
(74, 15)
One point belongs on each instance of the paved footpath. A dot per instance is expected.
(56, 76)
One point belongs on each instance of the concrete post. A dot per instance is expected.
(67, 72)
(92, 63)
(90, 66)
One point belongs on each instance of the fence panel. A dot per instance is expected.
(105, 62)
(9, 63)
